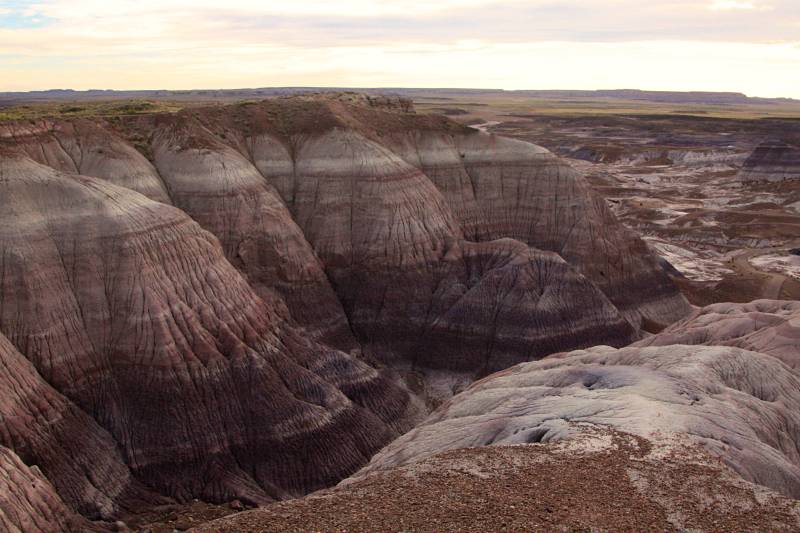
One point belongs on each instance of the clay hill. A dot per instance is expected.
(738, 404)
(772, 161)
(249, 301)
(664, 436)
(769, 327)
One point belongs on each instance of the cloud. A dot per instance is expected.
(731, 5)
(345, 22)
(19, 15)
(182, 43)
(737, 5)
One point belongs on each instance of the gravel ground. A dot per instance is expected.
(605, 481)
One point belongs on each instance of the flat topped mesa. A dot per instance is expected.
(387, 102)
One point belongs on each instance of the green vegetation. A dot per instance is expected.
(490, 106)
(500, 105)
(88, 109)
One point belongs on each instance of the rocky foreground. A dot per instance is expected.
(252, 302)
(602, 481)
(662, 438)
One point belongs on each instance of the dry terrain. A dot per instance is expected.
(605, 480)
(260, 311)
(673, 172)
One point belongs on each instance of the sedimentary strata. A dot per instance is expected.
(739, 405)
(772, 161)
(223, 303)
(771, 327)
(133, 313)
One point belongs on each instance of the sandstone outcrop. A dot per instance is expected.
(133, 313)
(771, 327)
(772, 161)
(741, 406)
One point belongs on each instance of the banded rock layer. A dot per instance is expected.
(83, 146)
(78, 457)
(500, 187)
(770, 327)
(221, 190)
(29, 504)
(326, 210)
(370, 209)
(209, 305)
(133, 313)
(772, 161)
(412, 287)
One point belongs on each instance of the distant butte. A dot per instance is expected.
(773, 161)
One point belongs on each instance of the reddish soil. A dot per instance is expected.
(621, 487)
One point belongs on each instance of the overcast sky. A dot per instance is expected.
(751, 46)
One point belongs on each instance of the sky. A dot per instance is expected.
(750, 46)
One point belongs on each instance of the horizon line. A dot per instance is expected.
(403, 88)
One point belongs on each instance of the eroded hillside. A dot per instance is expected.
(249, 301)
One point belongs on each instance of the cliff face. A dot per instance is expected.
(772, 161)
(228, 298)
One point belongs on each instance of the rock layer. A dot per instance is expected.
(502, 187)
(29, 504)
(772, 161)
(771, 327)
(134, 314)
(741, 406)
(227, 195)
(412, 287)
(78, 457)
(312, 198)
(85, 147)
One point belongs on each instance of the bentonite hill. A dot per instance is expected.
(234, 305)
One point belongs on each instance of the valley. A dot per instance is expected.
(399, 310)
(685, 179)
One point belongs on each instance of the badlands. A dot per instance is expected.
(353, 311)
